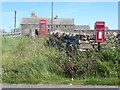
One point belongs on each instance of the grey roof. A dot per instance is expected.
(106, 28)
(82, 27)
(58, 21)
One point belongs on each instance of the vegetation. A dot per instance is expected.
(31, 60)
(9, 43)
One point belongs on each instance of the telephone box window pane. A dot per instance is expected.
(42, 27)
(100, 35)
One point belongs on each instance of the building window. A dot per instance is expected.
(57, 26)
(65, 26)
(49, 26)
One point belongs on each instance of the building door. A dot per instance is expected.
(36, 32)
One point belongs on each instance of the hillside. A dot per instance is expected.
(32, 60)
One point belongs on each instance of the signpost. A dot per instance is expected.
(100, 32)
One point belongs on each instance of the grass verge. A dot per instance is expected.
(29, 60)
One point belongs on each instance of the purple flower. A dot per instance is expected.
(94, 70)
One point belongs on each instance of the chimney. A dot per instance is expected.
(56, 17)
(33, 14)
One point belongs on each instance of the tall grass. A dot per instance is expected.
(9, 43)
(30, 60)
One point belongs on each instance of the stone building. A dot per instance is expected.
(84, 29)
(32, 24)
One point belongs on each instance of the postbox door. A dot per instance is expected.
(99, 35)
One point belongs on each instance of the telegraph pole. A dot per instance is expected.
(15, 21)
(52, 18)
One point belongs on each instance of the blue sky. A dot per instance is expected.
(84, 13)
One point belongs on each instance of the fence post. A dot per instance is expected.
(98, 46)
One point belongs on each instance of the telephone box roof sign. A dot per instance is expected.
(43, 21)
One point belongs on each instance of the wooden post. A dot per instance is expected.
(15, 22)
(98, 46)
(52, 26)
(87, 54)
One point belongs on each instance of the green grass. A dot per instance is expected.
(30, 60)
(9, 43)
(101, 81)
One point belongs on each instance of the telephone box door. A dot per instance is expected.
(43, 28)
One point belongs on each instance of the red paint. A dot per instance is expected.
(100, 31)
(43, 28)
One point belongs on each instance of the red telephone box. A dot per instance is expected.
(43, 28)
(100, 31)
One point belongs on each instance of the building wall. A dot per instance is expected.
(91, 32)
(64, 27)
(25, 28)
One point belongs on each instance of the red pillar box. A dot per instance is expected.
(100, 31)
(43, 28)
